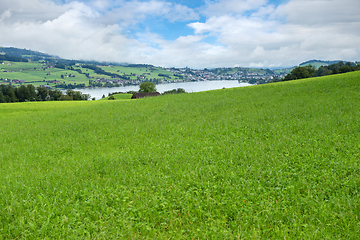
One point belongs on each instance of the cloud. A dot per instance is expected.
(31, 10)
(79, 31)
(233, 33)
(320, 12)
(4, 15)
(221, 7)
(73, 34)
(130, 13)
(285, 35)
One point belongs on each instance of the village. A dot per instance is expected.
(246, 75)
(77, 77)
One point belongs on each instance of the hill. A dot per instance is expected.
(55, 72)
(270, 161)
(25, 53)
(319, 63)
(40, 56)
(59, 75)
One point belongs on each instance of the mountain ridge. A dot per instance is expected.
(32, 55)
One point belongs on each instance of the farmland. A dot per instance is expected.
(40, 73)
(270, 161)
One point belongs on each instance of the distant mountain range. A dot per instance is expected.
(319, 63)
(25, 53)
(36, 56)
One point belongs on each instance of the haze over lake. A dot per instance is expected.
(188, 86)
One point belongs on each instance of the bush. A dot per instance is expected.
(175, 91)
(147, 87)
(66, 98)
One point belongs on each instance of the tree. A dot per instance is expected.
(55, 94)
(22, 93)
(32, 92)
(77, 95)
(147, 87)
(175, 91)
(301, 72)
(42, 93)
(9, 93)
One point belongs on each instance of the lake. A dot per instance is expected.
(188, 86)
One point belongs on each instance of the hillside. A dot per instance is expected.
(23, 66)
(319, 63)
(25, 53)
(273, 161)
(58, 75)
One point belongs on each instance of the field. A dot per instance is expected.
(274, 161)
(153, 71)
(38, 73)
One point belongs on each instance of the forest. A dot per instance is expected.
(28, 93)
(310, 71)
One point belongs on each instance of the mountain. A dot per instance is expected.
(319, 63)
(25, 53)
(36, 56)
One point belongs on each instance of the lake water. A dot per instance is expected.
(188, 86)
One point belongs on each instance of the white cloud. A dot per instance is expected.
(4, 15)
(287, 35)
(74, 34)
(235, 32)
(31, 10)
(130, 13)
(220, 7)
(320, 12)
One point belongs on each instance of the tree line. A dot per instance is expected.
(28, 93)
(310, 71)
(100, 71)
(12, 58)
(174, 91)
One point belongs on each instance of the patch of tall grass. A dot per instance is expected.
(270, 161)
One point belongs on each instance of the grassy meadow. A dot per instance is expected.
(153, 71)
(274, 161)
(37, 74)
(33, 73)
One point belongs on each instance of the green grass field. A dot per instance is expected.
(139, 71)
(274, 161)
(33, 73)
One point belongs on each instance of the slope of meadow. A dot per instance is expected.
(270, 161)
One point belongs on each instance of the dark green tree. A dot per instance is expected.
(301, 72)
(22, 93)
(2, 98)
(9, 93)
(77, 95)
(42, 93)
(147, 87)
(31, 92)
(55, 95)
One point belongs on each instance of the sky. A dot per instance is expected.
(186, 33)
